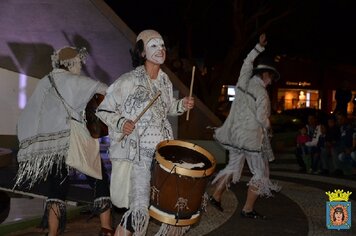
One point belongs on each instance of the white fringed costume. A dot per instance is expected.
(244, 133)
(132, 157)
(43, 129)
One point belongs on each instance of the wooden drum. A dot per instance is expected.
(179, 179)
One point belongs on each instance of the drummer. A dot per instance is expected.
(133, 143)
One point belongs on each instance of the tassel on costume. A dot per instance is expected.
(100, 205)
(139, 221)
(38, 168)
(166, 229)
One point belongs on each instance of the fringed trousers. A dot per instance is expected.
(57, 186)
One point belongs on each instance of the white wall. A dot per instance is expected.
(10, 92)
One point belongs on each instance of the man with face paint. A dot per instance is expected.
(43, 131)
(132, 156)
(245, 132)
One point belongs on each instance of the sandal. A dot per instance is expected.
(216, 204)
(252, 215)
(106, 232)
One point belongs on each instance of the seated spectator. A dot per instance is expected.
(331, 138)
(301, 149)
(311, 125)
(312, 145)
(353, 153)
(319, 151)
(344, 146)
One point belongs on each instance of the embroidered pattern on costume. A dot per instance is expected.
(134, 101)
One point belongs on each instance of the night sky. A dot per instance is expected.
(317, 29)
(210, 29)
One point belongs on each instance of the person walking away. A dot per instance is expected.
(245, 133)
(43, 130)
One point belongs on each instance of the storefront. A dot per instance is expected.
(295, 98)
(305, 85)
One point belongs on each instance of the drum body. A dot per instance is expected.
(179, 179)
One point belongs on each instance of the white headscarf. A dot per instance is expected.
(68, 56)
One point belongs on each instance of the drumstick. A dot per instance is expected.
(148, 106)
(143, 111)
(191, 89)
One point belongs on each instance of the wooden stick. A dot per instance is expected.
(147, 107)
(144, 111)
(191, 89)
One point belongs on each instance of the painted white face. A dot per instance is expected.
(77, 66)
(155, 51)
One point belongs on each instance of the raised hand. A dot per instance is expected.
(263, 40)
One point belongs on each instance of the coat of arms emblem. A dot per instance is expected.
(338, 210)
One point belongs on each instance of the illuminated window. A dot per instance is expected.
(307, 102)
(231, 92)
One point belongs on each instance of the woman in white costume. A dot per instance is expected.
(132, 145)
(43, 131)
(245, 132)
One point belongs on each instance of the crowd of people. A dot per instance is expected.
(327, 147)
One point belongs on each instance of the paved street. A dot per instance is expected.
(299, 209)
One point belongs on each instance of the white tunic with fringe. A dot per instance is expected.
(43, 129)
(244, 132)
(249, 115)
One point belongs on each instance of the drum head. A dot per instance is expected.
(181, 155)
(185, 158)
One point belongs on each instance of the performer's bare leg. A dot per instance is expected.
(218, 193)
(251, 199)
(220, 188)
(105, 219)
(53, 221)
(121, 231)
